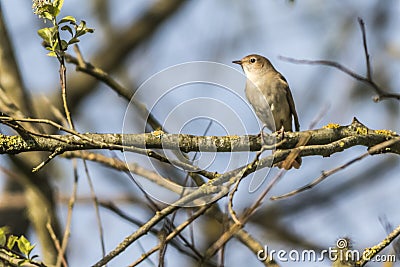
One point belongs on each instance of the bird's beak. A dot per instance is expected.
(237, 62)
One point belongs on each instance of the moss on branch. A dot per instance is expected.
(324, 141)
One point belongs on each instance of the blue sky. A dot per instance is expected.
(222, 31)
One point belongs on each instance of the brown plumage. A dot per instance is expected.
(269, 94)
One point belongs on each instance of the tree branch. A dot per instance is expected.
(368, 79)
(325, 141)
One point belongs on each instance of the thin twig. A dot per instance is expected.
(55, 241)
(101, 144)
(133, 168)
(244, 237)
(319, 116)
(198, 183)
(96, 207)
(325, 174)
(240, 176)
(63, 81)
(113, 208)
(238, 222)
(368, 79)
(364, 38)
(260, 199)
(237, 180)
(71, 204)
(202, 191)
(174, 233)
(122, 91)
(56, 152)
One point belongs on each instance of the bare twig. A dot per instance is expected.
(242, 235)
(368, 79)
(56, 242)
(71, 204)
(236, 181)
(206, 190)
(114, 143)
(182, 248)
(173, 234)
(364, 38)
(56, 152)
(122, 91)
(96, 207)
(325, 174)
(239, 178)
(134, 168)
(112, 54)
(63, 81)
(239, 222)
(319, 116)
(202, 191)
(11, 258)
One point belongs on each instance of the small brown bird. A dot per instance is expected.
(268, 92)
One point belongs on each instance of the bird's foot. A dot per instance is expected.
(262, 134)
(281, 131)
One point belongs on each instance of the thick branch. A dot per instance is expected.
(325, 141)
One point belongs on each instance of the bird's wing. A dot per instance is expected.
(290, 100)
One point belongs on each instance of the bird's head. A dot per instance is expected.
(254, 64)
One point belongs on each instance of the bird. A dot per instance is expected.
(269, 94)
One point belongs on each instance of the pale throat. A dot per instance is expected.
(254, 77)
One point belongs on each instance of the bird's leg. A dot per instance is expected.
(262, 134)
(281, 131)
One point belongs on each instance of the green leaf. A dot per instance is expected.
(22, 262)
(55, 46)
(90, 30)
(64, 45)
(11, 241)
(67, 28)
(52, 54)
(73, 40)
(25, 246)
(47, 15)
(3, 236)
(70, 19)
(5, 229)
(57, 4)
(81, 26)
(46, 34)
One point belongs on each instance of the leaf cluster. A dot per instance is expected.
(51, 37)
(8, 244)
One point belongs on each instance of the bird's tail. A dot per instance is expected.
(289, 163)
(293, 160)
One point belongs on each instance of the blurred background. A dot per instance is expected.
(134, 40)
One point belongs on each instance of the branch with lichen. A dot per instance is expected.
(369, 253)
(328, 140)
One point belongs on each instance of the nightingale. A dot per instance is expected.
(268, 92)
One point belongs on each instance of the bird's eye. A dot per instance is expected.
(252, 60)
